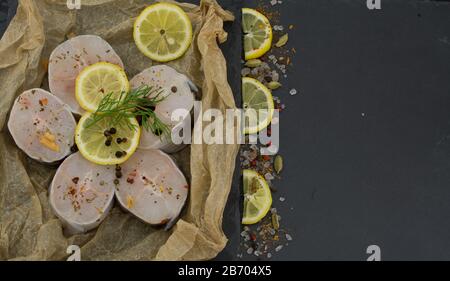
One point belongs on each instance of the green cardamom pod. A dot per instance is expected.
(282, 41)
(274, 85)
(275, 222)
(253, 63)
(278, 164)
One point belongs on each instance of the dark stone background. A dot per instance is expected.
(366, 141)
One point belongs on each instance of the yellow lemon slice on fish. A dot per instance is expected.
(107, 142)
(257, 33)
(98, 80)
(257, 197)
(163, 32)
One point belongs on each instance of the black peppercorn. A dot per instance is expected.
(74, 148)
(112, 131)
(119, 154)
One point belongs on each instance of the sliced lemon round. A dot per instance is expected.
(257, 33)
(258, 105)
(98, 80)
(163, 32)
(106, 144)
(257, 197)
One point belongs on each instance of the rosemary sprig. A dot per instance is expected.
(138, 103)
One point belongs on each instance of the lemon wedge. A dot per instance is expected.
(163, 32)
(257, 197)
(258, 105)
(257, 33)
(98, 80)
(103, 144)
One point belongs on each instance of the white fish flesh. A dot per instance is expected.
(70, 58)
(176, 90)
(152, 187)
(82, 193)
(42, 125)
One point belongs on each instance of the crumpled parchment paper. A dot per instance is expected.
(28, 229)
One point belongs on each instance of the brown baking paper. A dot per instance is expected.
(28, 229)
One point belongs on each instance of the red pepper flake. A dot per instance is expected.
(72, 191)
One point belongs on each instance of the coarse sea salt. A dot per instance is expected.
(275, 2)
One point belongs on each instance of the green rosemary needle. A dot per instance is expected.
(138, 103)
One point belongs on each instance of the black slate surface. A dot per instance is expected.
(7, 12)
(232, 50)
(367, 140)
